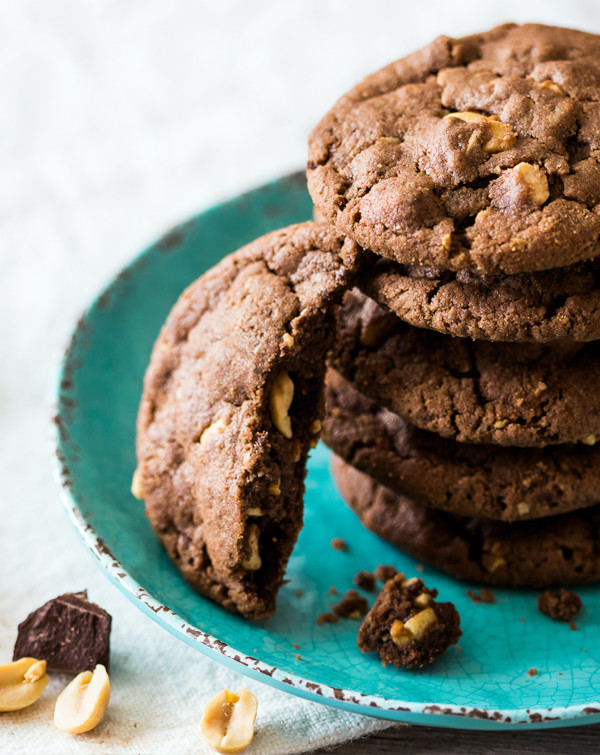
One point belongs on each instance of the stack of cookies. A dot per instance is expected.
(463, 395)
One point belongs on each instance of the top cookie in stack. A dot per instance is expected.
(471, 171)
(471, 168)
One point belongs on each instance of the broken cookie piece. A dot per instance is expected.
(406, 626)
(69, 633)
(232, 404)
(561, 606)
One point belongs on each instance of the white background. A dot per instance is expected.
(118, 119)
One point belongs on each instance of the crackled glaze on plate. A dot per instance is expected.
(482, 685)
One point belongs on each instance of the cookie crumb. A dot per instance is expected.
(532, 672)
(365, 580)
(560, 606)
(298, 593)
(339, 544)
(420, 568)
(573, 626)
(295, 646)
(382, 573)
(298, 656)
(485, 596)
(457, 648)
(332, 591)
(406, 626)
(522, 618)
(351, 606)
(326, 618)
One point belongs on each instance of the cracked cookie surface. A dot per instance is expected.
(561, 550)
(478, 153)
(510, 394)
(229, 411)
(497, 482)
(546, 306)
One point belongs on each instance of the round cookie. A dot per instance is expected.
(510, 394)
(561, 550)
(231, 405)
(496, 482)
(476, 153)
(546, 306)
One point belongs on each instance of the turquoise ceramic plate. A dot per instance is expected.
(484, 685)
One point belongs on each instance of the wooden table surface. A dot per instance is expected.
(418, 740)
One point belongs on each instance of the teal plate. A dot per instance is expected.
(484, 685)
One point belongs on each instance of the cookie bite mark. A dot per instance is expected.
(232, 402)
(407, 627)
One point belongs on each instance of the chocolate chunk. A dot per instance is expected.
(69, 633)
(365, 580)
(351, 606)
(561, 606)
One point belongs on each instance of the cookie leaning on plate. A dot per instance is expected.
(511, 394)
(551, 305)
(497, 482)
(473, 153)
(231, 405)
(561, 550)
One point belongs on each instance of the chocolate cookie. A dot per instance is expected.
(475, 153)
(470, 480)
(511, 394)
(561, 550)
(545, 306)
(406, 626)
(231, 404)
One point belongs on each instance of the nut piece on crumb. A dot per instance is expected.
(351, 606)
(339, 544)
(485, 596)
(228, 720)
(365, 580)
(21, 683)
(82, 703)
(406, 626)
(561, 606)
(382, 573)
(532, 672)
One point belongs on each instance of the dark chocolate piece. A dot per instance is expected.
(69, 633)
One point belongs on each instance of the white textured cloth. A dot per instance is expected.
(119, 118)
